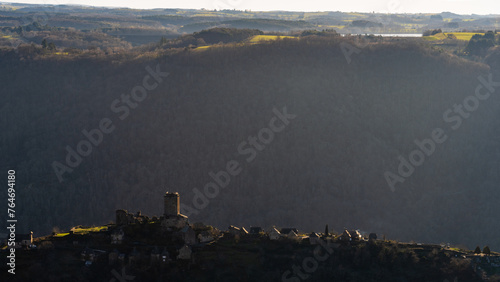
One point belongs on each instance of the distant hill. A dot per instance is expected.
(226, 35)
(261, 24)
(451, 15)
(172, 23)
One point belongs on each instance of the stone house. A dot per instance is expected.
(255, 230)
(237, 232)
(345, 236)
(293, 236)
(274, 234)
(355, 235)
(233, 230)
(285, 231)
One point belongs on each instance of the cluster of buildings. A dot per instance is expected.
(175, 224)
(171, 216)
(186, 239)
(172, 220)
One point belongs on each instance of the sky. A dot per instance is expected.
(465, 7)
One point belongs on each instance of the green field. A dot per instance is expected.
(260, 38)
(336, 27)
(203, 47)
(85, 230)
(256, 39)
(465, 36)
(82, 230)
(59, 235)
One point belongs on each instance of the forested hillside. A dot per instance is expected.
(353, 120)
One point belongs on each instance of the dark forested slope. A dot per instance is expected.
(353, 120)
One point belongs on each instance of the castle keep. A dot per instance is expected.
(172, 216)
(171, 204)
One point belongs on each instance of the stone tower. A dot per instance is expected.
(172, 217)
(172, 204)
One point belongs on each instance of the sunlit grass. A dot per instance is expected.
(256, 39)
(357, 15)
(59, 235)
(204, 47)
(336, 27)
(85, 230)
(315, 14)
(9, 8)
(206, 15)
(259, 38)
(465, 36)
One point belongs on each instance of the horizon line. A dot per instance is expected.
(251, 10)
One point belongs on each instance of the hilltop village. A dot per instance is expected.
(137, 247)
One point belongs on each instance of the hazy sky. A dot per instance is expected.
(391, 6)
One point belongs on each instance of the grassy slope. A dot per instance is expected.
(465, 36)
